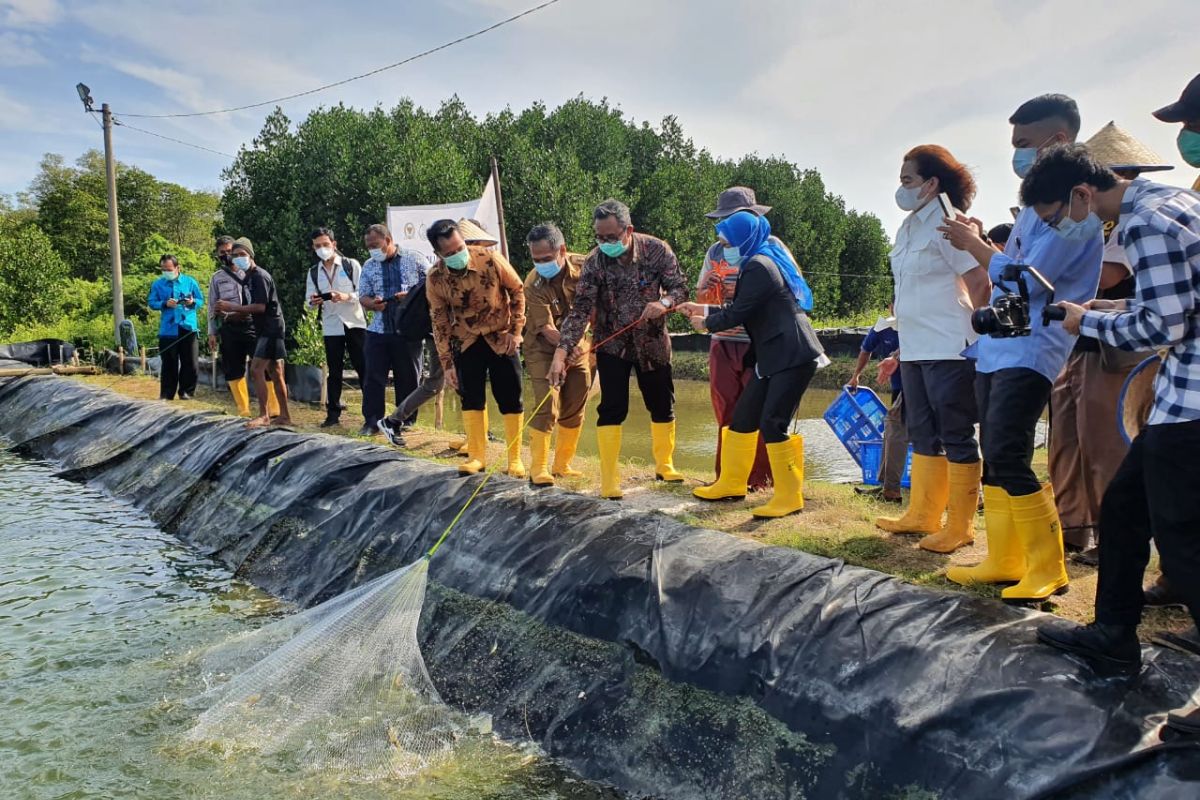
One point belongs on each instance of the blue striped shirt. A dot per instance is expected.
(1161, 232)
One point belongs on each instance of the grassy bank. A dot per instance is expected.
(836, 522)
(694, 367)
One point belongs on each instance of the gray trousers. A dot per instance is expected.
(426, 390)
(895, 445)
(939, 407)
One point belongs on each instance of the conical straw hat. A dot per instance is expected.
(1116, 149)
(475, 234)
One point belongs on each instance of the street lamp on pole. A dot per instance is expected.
(114, 231)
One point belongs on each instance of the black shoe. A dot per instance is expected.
(331, 422)
(868, 491)
(1161, 595)
(369, 429)
(1185, 722)
(391, 432)
(1186, 642)
(185, 396)
(1088, 558)
(1110, 650)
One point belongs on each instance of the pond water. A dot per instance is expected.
(97, 610)
(696, 430)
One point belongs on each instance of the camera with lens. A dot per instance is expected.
(1008, 315)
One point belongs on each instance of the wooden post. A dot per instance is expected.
(499, 207)
(49, 357)
(114, 229)
(144, 365)
(439, 409)
(213, 364)
(325, 388)
(121, 360)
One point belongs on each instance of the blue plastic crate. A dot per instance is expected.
(856, 416)
(872, 464)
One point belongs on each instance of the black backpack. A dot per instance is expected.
(410, 317)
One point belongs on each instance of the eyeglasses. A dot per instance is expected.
(1063, 210)
(610, 238)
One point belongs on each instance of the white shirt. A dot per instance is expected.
(336, 317)
(933, 309)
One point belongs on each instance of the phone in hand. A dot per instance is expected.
(947, 206)
(326, 296)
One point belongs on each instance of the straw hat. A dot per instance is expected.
(1116, 149)
(475, 234)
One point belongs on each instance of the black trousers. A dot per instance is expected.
(237, 346)
(656, 386)
(1152, 496)
(1011, 402)
(336, 350)
(768, 405)
(386, 352)
(479, 364)
(180, 363)
(940, 408)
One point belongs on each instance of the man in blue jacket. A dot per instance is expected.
(178, 297)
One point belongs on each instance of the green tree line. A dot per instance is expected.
(342, 167)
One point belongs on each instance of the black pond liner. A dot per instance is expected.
(662, 659)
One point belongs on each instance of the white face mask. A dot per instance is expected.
(324, 253)
(909, 197)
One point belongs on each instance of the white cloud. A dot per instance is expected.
(19, 50)
(30, 13)
(16, 116)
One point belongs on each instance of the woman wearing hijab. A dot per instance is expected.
(771, 302)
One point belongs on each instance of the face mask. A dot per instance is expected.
(547, 269)
(1022, 161)
(378, 254)
(1072, 231)
(733, 256)
(1189, 146)
(242, 262)
(909, 197)
(459, 260)
(170, 274)
(324, 253)
(613, 249)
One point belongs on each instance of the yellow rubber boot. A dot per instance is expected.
(926, 502)
(1005, 560)
(608, 444)
(564, 450)
(959, 529)
(461, 445)
(241, 396)
(513, 424)
(737, 459)
(1035, 520)
(475, 423)
(662, 444)
(539, 458)
(787, 472)
(272, 400)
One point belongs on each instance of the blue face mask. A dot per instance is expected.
(547, 269)
(613, 249)
(733, 256)
(1022, 160)
(241, 262)
(458, 261)
(1072, 231)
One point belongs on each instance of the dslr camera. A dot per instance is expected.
(1008, 315)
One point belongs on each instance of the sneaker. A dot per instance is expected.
(331, 422)
(1110, 650)
(1186, 642)
(392, 432)
(185, 396)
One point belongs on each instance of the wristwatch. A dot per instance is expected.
(666, 302)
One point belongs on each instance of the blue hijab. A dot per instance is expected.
(751, 235)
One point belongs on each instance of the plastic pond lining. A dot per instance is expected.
(665, 660)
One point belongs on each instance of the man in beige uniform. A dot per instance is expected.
(549, 294)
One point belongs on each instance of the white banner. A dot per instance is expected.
(409, 223)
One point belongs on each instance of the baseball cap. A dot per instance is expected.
(1187, 108)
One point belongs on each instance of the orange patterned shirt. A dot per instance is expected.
(486, 299)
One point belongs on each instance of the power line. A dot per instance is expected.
(172, 139)
(344, 81)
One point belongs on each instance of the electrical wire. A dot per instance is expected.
(172, 139)
(344, 81)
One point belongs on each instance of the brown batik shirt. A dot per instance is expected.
(486, 299)
(547, 303)
(617, 291)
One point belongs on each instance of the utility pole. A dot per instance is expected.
(114, 230)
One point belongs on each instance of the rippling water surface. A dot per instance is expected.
(98, 611)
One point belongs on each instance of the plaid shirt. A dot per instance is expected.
(405, 270)
(1161, 231)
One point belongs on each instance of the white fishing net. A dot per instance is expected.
(340, 687)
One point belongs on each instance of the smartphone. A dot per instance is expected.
(327, 296)
(947, 206)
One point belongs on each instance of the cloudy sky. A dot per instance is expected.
(843, 87)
